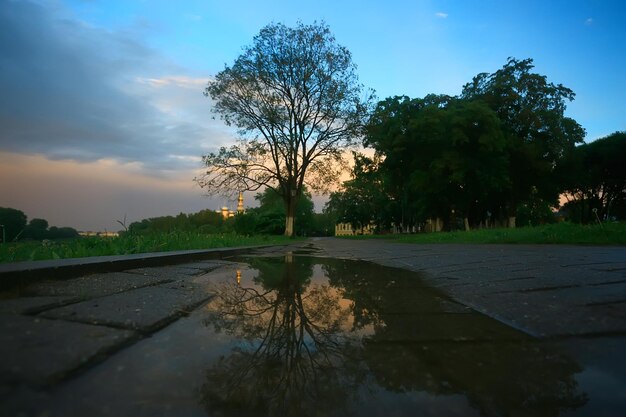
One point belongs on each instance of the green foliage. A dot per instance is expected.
(37, 229)
(479, 157)
(204, 221)
(269, 217)
(559, 233)
(14, 222)
(363, 200)
(539, 135)
(535, 212)
(127, 244)
(595, 179)
(441, 155)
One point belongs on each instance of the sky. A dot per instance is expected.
(102, 112)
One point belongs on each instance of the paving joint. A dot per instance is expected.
(21, 274)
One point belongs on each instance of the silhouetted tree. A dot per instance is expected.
(443, 157)
(37, 229)
(295, 96)
(595, 178)
(296, 360)
(364, 199)
(14, 222)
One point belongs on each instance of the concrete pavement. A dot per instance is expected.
(53, 330)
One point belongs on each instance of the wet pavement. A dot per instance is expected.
(326, 327)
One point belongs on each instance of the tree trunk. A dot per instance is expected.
(466, 224)
(291, 203)
(511, 223)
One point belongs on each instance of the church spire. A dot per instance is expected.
(240, 203)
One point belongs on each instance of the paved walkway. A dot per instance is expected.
(548, 291)
(53, 330)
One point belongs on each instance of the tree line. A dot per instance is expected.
(267, 218)
(15, 226)
(502, 153)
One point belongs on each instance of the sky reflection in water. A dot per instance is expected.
(333, 337)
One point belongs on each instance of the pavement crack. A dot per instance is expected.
(621, 281)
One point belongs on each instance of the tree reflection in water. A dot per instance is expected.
(305, 352)
(298, 360)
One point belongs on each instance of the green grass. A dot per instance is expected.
(561, 233)
(124, 245)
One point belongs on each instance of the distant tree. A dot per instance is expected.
(363, 199)
(538, 133)
(13, 221)
(595, 179)
(323, 224)
(269, 217)
(37, 229)
(207, 221)
(62, 233)
(204, 221)
(294, 95)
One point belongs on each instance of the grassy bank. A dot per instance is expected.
(561, 233)
(124, 245)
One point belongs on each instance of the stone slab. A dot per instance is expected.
(38, 351)
(168, 273)
(144, 309)
(32, 305)
(95, 285)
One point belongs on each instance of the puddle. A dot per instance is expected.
(330, 337)
(305, 336)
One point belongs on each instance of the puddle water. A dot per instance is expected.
(330, 337)
(305, 336)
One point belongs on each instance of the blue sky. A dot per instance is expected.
(104, 98)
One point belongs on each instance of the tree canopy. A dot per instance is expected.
(13, 222)
(295, 97)
(595, 179)
(444, 155)
(539, 135)
(477, 158)
(363, 200)
(269, 217)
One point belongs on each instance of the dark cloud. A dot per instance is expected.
(73, 91)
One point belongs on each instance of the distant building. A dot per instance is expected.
(346, 229)
(101, 234)
(227, 213)
(240, 203)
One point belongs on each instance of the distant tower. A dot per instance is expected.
(225, 212)
(240, 203)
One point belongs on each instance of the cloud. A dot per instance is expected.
(193, 17)
(441, 15)
(180, 81)
(74, 91)
(93, 196)
(589, 21)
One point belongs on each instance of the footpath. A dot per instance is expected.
(61, 318)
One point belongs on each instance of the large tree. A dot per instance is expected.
(444, 157)
(295, 97)
(539, 135)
